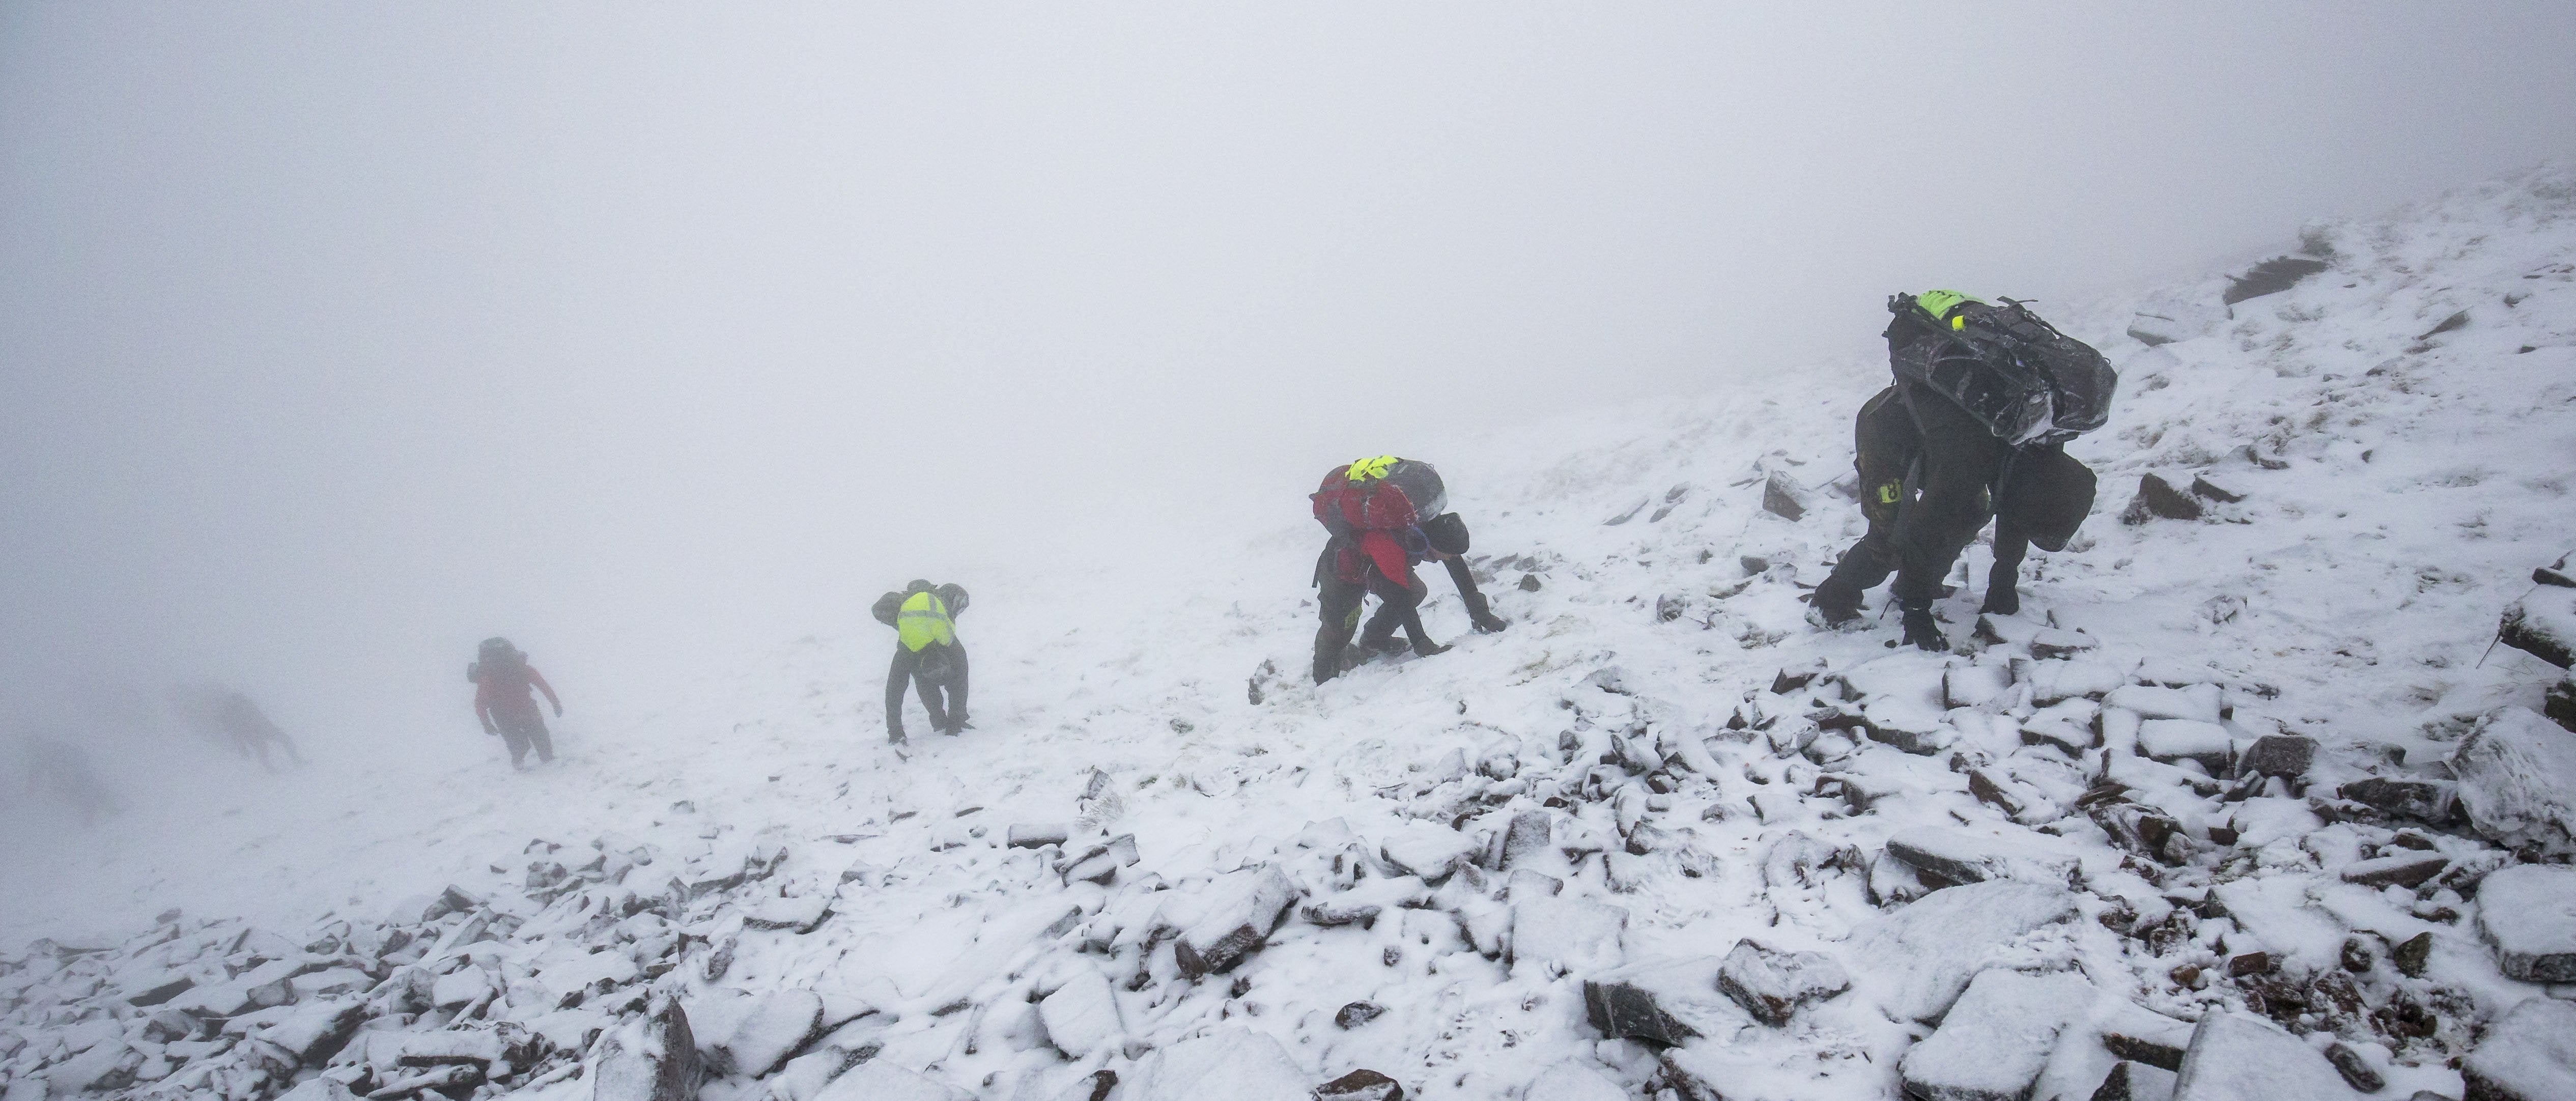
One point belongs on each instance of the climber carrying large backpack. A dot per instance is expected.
(1385, 515)
(927, 655)
(1984, 401)
(502, 680)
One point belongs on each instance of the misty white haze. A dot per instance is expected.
(336, 337)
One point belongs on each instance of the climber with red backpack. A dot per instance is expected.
(503, 680)
(1385, 515)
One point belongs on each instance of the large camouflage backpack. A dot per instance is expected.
(2014, 372)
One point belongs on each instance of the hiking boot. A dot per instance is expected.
(895, 737)
(1924, 632)
(1430, 649)
(1386, 645)
(1835, 603)
(1491, 624)
(2001, 600)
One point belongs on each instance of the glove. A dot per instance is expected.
(491, 730)
(558, 711)
(1923, 631)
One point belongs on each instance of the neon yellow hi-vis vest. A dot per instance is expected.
(1365, 469)
(1940, 303)
(924, 620)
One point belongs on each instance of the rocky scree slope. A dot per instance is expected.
(2232, 808)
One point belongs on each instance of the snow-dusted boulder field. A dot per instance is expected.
(2232, 809)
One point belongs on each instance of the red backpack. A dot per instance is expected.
(1382, 494)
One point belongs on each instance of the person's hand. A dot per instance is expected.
(558, 711)
(491, 730)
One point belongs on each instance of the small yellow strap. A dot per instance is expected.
(1958, 323)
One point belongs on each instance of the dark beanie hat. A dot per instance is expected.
(1448, 533)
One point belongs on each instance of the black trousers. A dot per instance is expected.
(521, 730)
(1960, 463)
(1399, 605)
(933, 671)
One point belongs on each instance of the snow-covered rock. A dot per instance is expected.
(2055, 681)
(2543, 625)
(2517, 775)
(2172, 740)
(1231, 1063)
(881, 1080)
(317, 1089)
(777, 1025)
(1083, 1015)
(2284, 755)
(2528, 913)
(1567, 932)
(2529, 1054)
(2195, 702)
(2240, 1057)
(1663, 1001)
(1428, 851)
(1242, 908)
(1925, 954)
(1946, 856)
(1572, 1082)
(462, 986)
(799, 915)
(316, 1029)
(652, 1059)
(1771, 985)
(1996, 1038)
(2130, 1081)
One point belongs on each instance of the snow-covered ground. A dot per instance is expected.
(2398, 486)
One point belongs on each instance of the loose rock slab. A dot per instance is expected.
(1245, 906)
(2240, 1057)
(1771, 985)
(2529, 1055)
(1428, 851)
(880, 1080)
(2517, 775)
(778, 1025)
(656, 1059)
(2528, 912)
(1082, 1016)
(1231, 1064)
(1577, 934)
(1996, 1038)
(1573, 1082)
(1934, 946)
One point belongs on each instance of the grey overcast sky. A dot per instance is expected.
(335, 336)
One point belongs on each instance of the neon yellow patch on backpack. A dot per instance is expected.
(1364, 469)
(1940, 303)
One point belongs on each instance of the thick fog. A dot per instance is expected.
(335, 337)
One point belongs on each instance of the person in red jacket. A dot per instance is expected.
(1382, 562)
(502, 681)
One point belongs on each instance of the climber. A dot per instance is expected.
(927, 655)
(502, 681)
(61, 770)
(1373, 511)
(1956, 441)
(230, 717)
